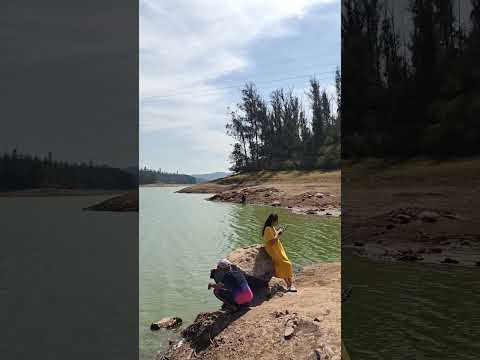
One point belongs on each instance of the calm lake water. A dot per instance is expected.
(182, 236)
(424, 311)
(74, 270)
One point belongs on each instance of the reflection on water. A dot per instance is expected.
(410, 311)
(182, 236)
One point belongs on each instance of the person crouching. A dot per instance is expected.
(231, 286)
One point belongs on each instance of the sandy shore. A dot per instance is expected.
(302, 192)
(313, 313)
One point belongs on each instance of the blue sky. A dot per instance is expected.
(195, 56)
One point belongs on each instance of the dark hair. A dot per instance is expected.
(272, 218)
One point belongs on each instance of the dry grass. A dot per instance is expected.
(418, 172)
(293, 182)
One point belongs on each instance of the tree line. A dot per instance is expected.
(410, 91)
(281, 133)
(148, 176)
(22, 171)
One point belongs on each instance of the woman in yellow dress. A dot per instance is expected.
(274, 248)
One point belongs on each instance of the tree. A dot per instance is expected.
(318, 125)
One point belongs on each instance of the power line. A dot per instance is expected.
(240, 84)
(248, 80)
(239, 88)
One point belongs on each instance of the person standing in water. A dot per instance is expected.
(274, 248)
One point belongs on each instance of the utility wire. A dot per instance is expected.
(159, 97)
(213, 93)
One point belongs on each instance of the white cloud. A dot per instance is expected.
(185, 45)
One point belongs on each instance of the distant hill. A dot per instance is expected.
(210, 176)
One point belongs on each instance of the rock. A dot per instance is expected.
(275, 287)
(319, 195)
(312, 211)
(324, 353)
(216, 197)
(408, 257)
(428, 216)
(403, 218)
(166, 323)
(278, 314)
(449, 261)
(289, 330)
(276, 203)
(207, 326)
(267, 195)
(255, 263)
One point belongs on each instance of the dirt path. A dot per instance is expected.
(304, 192)
(259, 334)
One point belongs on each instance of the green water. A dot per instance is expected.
(182, 236)
(410, 311)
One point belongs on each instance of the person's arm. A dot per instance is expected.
(215, 286)
(275, 234)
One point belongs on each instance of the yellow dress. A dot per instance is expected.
(274, 248)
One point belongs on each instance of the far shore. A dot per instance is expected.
(313, 192)
(164, 185)
(51, 192)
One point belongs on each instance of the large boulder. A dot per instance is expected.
(255, 263)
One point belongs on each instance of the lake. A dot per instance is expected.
(75, 271)
(410, 311)
(182, 236)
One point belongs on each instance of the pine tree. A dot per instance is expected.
(318, 123)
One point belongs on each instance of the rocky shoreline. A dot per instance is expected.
(278, 324)
(127, 202)
(298, 192)
(310, 202)
(415, 234)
